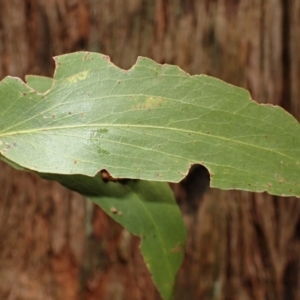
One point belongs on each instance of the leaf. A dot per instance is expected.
(146, 209)
(150, 122)
(39, 83)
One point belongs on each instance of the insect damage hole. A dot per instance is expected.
(189, 191)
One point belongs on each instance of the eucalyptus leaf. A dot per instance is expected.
(150, 122)
(146, 209)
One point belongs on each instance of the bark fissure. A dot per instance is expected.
(286, 64)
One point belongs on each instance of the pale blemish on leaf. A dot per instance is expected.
(78, 77)
(113, 210)
(153, 102)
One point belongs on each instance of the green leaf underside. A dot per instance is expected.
(144, 208)
(150, 122)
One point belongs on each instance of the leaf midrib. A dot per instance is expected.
(177, 130)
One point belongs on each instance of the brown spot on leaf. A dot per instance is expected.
(113, 210)
(107, 177)
(176, 249)
(86, 55)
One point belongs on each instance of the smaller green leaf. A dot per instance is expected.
(146, 209)
(39, 83)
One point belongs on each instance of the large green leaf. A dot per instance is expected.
(150, 122)
(144, 208)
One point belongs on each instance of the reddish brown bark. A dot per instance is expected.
(55, 245)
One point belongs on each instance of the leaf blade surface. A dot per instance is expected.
(150, 122)
(146, 209)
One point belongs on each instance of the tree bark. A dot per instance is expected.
(56, 245)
